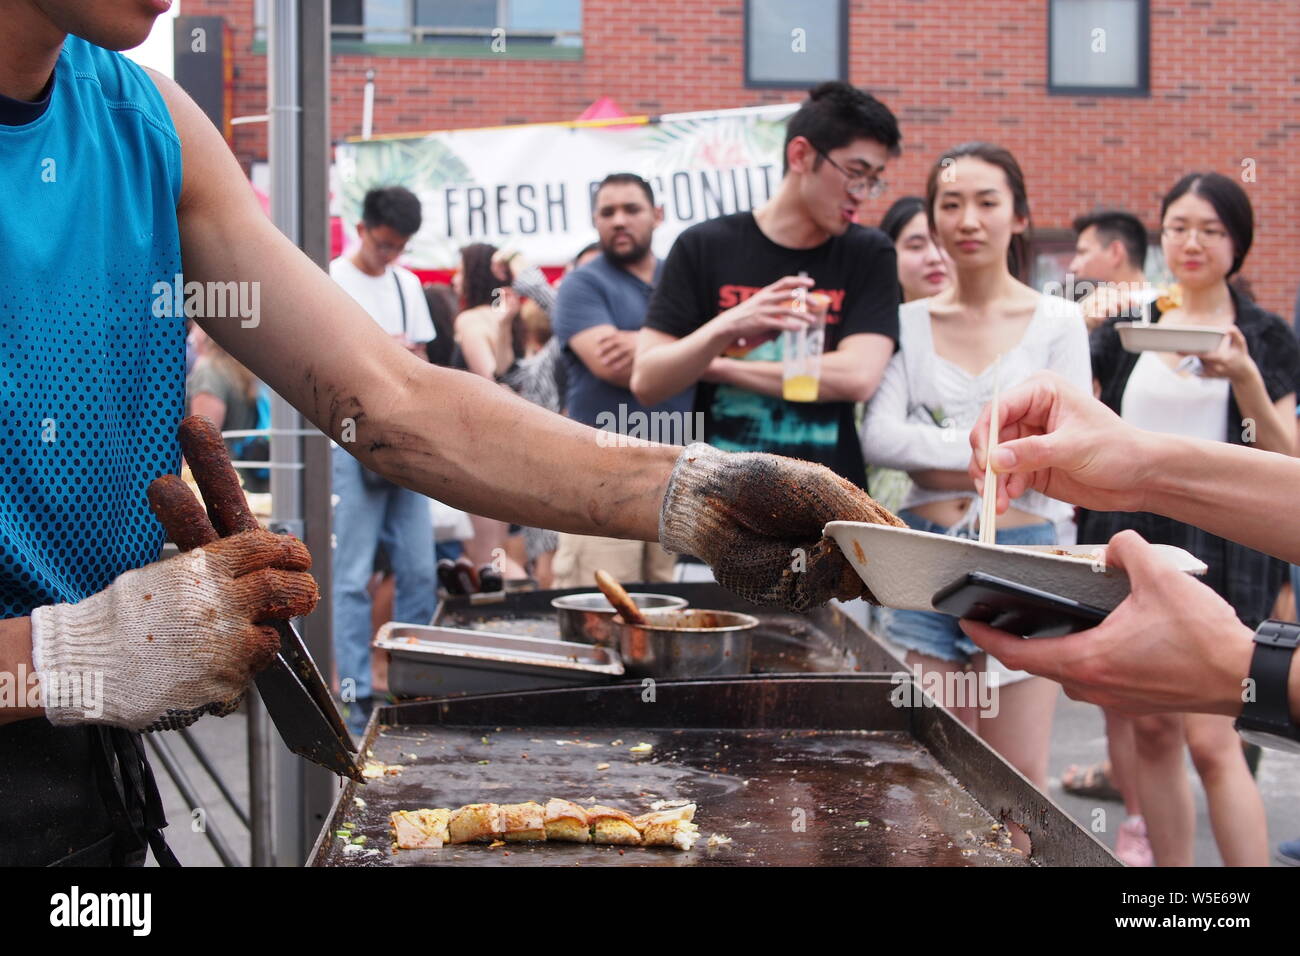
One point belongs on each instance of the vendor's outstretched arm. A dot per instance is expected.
(756, 519)
(448, 434)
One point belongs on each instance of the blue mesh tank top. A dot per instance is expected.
(91, 381)
(91, 391)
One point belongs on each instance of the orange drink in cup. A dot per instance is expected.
(801, 351)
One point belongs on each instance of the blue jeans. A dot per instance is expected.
(451, 550)
(362, 518)
(935, 634)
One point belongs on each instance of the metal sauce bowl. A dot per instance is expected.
(586, 617)
(684, 644)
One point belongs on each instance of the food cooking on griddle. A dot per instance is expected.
(561, 821)
(476, 823)
(609, 825)
(523, 822)
(420, 829)
(669, 827)
(566, 821)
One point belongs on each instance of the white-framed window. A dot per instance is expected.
(470, 22)
(796, 44)
(1098, 47)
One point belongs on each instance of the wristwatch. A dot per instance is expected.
(1266, 718)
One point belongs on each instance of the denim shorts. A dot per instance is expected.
(935, 634)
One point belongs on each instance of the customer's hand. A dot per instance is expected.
(506, 264)
(757, 521)
(1105, 301)
(177, 635)
(616, 349)
(1057, 440)
(1230, 360)
(1172, 645)
(766, 313)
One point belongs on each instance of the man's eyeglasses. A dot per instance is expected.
(870, 186)
(1210, 236)
(387, 248)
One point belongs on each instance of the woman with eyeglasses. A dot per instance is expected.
(986, 324)
(1243, 392)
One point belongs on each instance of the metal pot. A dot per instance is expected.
(683, 644)
(586, 617)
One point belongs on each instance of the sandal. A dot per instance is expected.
(1094, 783)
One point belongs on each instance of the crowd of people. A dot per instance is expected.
(928, 314)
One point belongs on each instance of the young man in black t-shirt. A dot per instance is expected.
(727, 286)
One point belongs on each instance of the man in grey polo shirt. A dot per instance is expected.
(597, 318)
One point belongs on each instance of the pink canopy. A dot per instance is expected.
(603, 108)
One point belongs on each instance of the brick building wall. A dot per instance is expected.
(1224, 88)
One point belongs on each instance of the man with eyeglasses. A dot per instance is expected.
(731, 285)
(370, 508)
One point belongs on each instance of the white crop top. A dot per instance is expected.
(920, 390)
(1159, 399)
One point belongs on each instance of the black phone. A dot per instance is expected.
(1015, 608)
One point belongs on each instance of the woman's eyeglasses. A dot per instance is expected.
(1209, 236)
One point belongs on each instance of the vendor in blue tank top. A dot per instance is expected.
(116, 191)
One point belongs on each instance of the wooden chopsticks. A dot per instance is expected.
(989, 514)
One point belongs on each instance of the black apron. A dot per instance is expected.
(77, 796)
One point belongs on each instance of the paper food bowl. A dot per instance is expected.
(1194, 339)
(905, 568)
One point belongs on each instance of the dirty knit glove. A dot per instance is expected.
(757, 521)
(178, 635)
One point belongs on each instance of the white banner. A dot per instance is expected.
(530, 187)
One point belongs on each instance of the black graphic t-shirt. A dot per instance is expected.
(715, 266)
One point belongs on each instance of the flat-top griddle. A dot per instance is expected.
(796, 770)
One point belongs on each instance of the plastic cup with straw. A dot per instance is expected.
(801, 350)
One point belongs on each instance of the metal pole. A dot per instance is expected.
(318, 786)
(284, 140)
(191, 798)
(298, 87)
(211, 771)
(368, 106)
(260, 845)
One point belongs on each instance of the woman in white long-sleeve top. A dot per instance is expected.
(930, 397)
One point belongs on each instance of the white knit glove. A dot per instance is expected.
(177, 635)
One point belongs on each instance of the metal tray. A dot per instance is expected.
(433, 661)
(786, 766)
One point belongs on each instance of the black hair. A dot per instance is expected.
(625, 179)
(834, 115)
(1018, 250)
(588, 248)
(477, 280)
(1231, 205)
(1117, 225)
(393, 206)
(898, 215)
(442, 310)
(478, 286)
